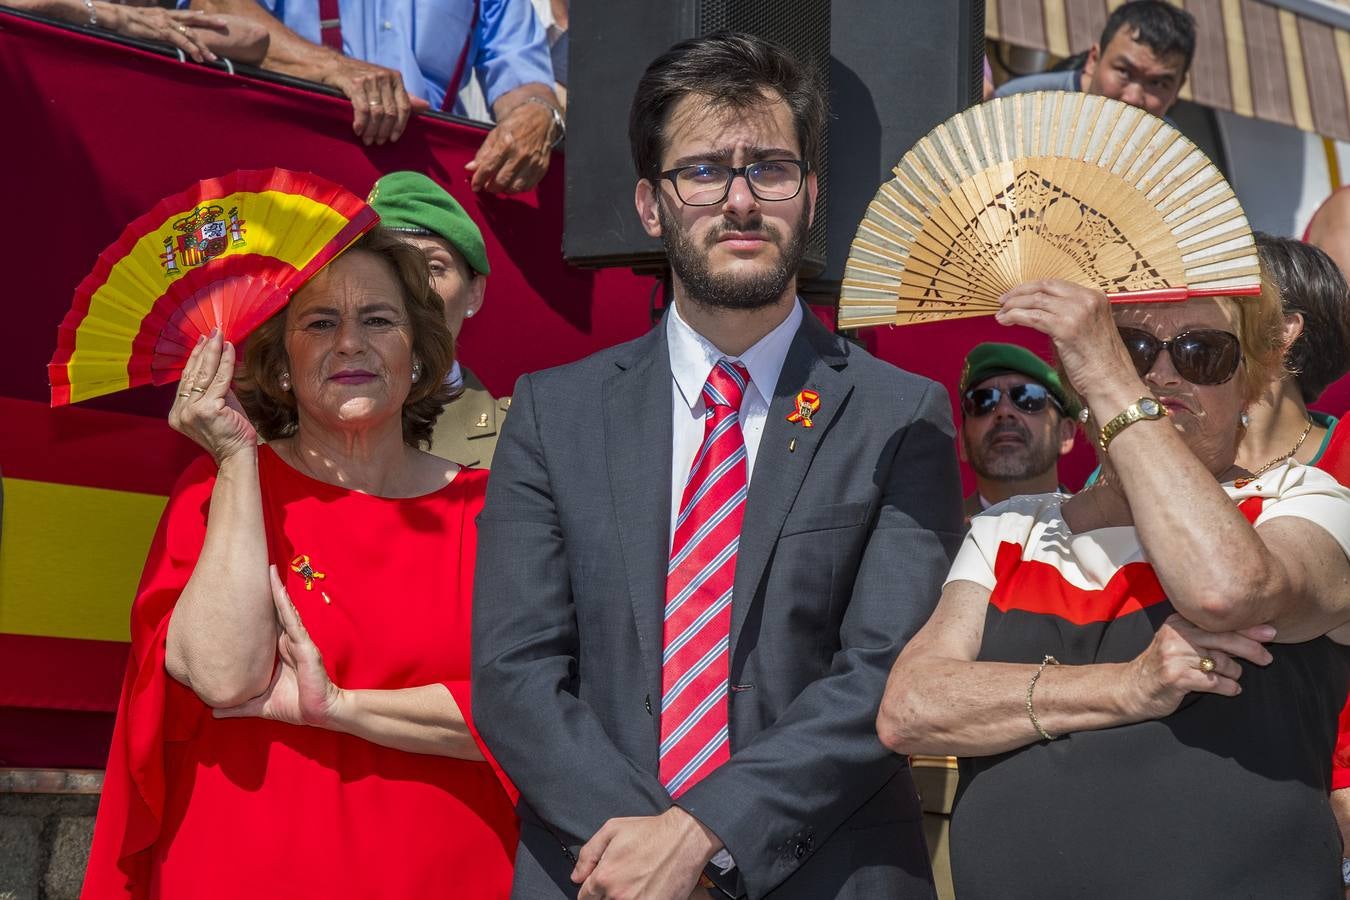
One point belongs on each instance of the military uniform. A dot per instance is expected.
(466, 431)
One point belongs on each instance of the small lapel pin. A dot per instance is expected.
(808, 404)
(792, 446)
(302, 567)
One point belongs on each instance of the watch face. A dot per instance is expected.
(1150, 407)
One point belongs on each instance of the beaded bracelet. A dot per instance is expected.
(93, 16)
(1031, 686)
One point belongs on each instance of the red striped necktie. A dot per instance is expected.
(694, 667)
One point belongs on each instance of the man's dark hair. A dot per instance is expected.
(1160, 27)
(732, 70)
(1310, 283)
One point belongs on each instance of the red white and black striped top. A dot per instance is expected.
(1226, 796)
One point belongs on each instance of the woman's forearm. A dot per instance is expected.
(422, 719)
(1216, 569)
(961, 708)
(222, 634)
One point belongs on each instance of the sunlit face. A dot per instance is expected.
(453, 280)
(349, 345)
(1009, 444)
(1131, 72)
(1208, 416)
(742, 253)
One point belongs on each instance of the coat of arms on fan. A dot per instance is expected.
(201, 237)
(1046, 185)
(185, 268)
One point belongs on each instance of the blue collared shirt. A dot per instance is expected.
(423, 40)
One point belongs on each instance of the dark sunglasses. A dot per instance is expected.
(1201, 356)
(1029, 398)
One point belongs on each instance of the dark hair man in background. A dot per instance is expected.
(1141, 59)
(1016, 422)
(702, 550)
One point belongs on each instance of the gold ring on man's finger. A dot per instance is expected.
(1207, 664)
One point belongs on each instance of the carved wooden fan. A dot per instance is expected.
(1046, 185)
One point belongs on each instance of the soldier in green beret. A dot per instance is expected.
(1017, 421)
(427, 217)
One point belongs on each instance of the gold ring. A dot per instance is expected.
(185, 395)
(182, 30)
(374, 103)
(1207, 664)
(198, 390)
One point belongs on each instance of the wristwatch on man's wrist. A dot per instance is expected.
(1138, 411)
(1345, 872)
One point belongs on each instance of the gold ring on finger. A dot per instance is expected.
(374, 103)
(1206, 664)
(199, 390)
(185, 394)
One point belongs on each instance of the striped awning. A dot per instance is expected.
(1285, 61)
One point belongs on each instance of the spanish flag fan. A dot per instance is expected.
(226, 252)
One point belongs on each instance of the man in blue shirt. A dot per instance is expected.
(394, 57)
(1141, 59)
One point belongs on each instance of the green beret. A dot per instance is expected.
(989, 359)
(412, 202)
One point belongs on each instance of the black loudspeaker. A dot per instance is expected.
(894, 69)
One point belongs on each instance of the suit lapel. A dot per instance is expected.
(813, 363)
(638, 436)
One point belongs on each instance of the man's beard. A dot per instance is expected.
(1010, 462)
(724, 291)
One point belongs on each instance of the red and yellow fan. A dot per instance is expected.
(227, 252)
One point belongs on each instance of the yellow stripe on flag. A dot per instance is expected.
(71, 557)
(290, 227)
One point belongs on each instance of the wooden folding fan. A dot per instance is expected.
(227, 252)
(1046, 185)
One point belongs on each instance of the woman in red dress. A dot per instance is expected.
(295, 720)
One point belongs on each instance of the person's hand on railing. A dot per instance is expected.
(515, 154)
(381, 104)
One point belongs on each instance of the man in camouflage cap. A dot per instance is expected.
(1017, 421)
(427, 217)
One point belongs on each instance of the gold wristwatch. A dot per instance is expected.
(1143, 408)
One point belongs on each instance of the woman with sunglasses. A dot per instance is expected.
(1142, 681)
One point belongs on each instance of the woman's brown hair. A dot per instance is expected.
(273, 411)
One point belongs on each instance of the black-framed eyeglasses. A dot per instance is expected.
(708, 184)
(1201, 355)
(1028, 398)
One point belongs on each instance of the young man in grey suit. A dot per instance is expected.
(702, 550)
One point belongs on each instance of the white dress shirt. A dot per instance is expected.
(692, 357)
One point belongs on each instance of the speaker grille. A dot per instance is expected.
(803, 27)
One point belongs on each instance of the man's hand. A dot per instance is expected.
(514, 156)
(648, 857)
(381, 104)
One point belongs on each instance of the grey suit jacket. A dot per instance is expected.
(848, 533)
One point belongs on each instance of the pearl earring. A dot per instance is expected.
(468, 314)
(1245, 419)
(285, 381)
(416, 372)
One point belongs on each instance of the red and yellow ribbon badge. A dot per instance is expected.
(302, 567)
(808, 404)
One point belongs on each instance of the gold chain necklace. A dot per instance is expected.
(1277, 460)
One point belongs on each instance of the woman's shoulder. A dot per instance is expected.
(1023, 508)
(1018, 520)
